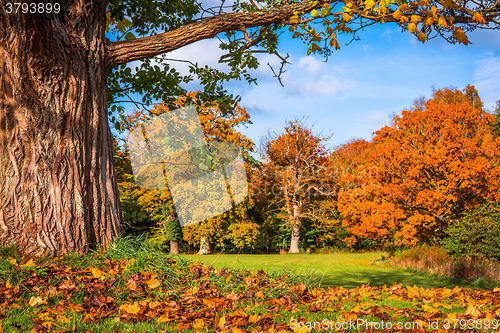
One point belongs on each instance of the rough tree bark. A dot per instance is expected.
(174, 247)
(58, 190)
(204, 245)
(294, 243)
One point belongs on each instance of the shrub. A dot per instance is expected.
(476, 234)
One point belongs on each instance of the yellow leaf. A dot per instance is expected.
(228, 278)
(446, 306)
(28, 263)
(334, 43)
(346, 17)
(237, 330)
(442, 22)
(403, 19)
(478, 18)
(44, 315)
(76, 308)
(429, 21)
(153, 282)
(222, 320)
(369, 4)
(427, 308)
(473, 311)
(416, 18)
(130, 308)
(260, 294)
(461, 37)
(97, 273)
(198, 324)
(434, 11)
(397, 14)
(62, 319)
(154, 304)
(34, 301)
(48, 324)
(13, 261)
(253, 318)
(422, 37)
(164, 319)
(412, 27)
(314, 13)
(7, 284)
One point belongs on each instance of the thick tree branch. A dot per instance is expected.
(122, 52)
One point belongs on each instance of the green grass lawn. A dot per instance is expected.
(134, 287)
(337, 269)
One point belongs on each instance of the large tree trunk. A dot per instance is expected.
(57, 185)
(294, 244)
(204, 245)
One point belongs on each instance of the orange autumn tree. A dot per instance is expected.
(295, 170)
(217, 127)
(349, 170)
(433, 162)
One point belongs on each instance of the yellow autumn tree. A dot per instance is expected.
(217, 127)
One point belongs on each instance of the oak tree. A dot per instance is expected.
(434, 162)
(218, 127)
(295, 164)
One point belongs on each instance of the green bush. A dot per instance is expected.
(476, 234)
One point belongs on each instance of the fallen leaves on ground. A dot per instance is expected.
(209, 299)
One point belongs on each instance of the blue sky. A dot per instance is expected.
(361, 86)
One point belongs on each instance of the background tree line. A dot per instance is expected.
(417, 181)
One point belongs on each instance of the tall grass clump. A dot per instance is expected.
(436, 261)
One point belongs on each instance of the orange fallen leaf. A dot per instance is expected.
(130, 308)
(260, 294)
(28, 263)
(198, 323)
(153, 282)
(34, 301)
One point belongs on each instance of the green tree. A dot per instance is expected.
(59, 74)
(476, 234)
(496, 124)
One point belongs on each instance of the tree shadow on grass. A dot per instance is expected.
(383, 277)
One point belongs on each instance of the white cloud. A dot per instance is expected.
(311, 64)
(205, 52)
(323, 85)
(487, 80)
(387, 34)
(378, 117)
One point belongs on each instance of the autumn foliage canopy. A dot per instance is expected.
(435, 161)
